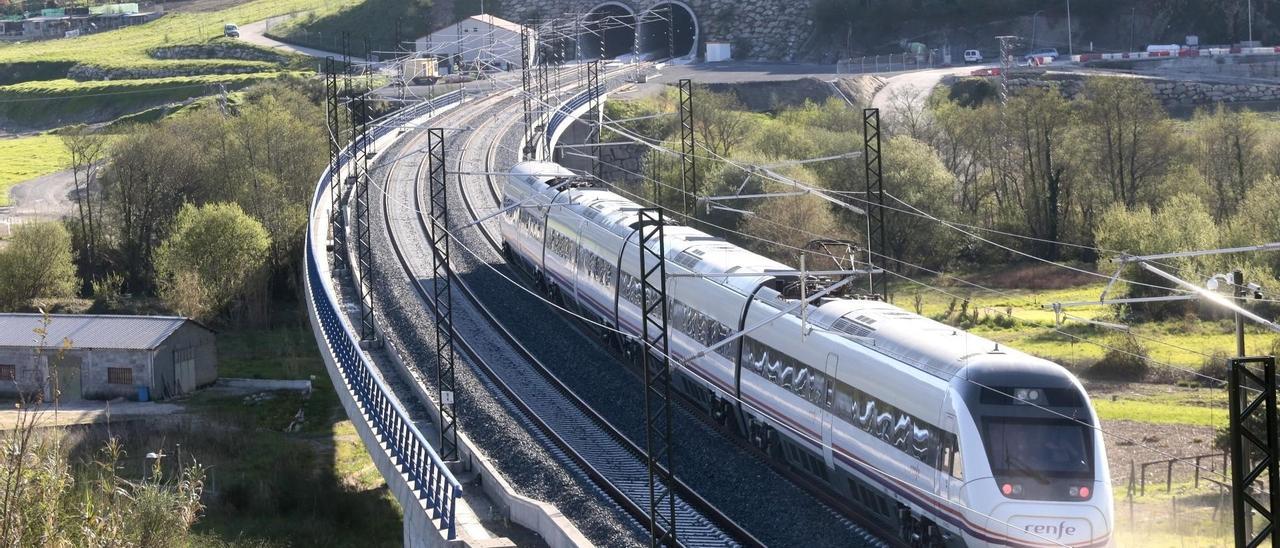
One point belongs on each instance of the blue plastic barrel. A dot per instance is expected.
(144, 393)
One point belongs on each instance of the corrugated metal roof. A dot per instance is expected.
(90, 331)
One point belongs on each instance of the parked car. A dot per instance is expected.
(972, 56)
(1044, 52)
(230, 30)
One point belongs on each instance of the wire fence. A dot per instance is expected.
(894, 62)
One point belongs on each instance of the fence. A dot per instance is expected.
(427, 476)
(1138, 481)
(895, 62)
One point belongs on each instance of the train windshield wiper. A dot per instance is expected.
(1021, 467)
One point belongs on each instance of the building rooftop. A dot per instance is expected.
(497, 22)
(90, 331)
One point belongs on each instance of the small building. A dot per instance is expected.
(105, 357)
(492, 42)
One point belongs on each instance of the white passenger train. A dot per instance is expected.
(944, 436)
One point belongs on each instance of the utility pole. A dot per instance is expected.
(1070, 50)
(688, 169)
(442, 293)
(337, 226)
(655, 350)
(875, 199)
(1240, 291)
(1006, 61)
(1253, 393)
(597, 115)
(526, 83)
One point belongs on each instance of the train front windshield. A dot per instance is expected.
(1040, 459)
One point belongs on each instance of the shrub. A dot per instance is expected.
(1125, 362)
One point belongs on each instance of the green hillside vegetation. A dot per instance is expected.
(1020, 176)
(128, 47)
(24, 158)
(372, 19)
(52, 103)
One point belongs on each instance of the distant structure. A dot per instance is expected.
(486, 39)
(75, 21)
(107, 357)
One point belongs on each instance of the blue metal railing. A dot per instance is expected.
(408, 448)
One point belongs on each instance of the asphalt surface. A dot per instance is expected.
(254, 33)
(43, 198)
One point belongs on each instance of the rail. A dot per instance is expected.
(429, 479)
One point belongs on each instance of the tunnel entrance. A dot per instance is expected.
(609, 31)
(655, 31)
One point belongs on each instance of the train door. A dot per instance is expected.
(824, 409)
(947, 452)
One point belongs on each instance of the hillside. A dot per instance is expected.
(97, 77)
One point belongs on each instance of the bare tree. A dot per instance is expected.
(85, 151)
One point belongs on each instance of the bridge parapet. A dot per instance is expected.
(426, 489)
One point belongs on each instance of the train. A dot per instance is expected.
(942, 437)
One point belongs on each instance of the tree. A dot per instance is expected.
(1229, 145)
(914, 174)
(38, 263)
(1037, 120)
(1182, 223)
(784, 225)
(719, 121)
(1127, 135)
(85, 152)
(211, 258)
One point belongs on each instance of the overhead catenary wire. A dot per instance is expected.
(471, 252)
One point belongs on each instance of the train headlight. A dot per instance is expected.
(1028, 395)
(1011, 489)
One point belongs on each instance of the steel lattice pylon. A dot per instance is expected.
(544, 100)
(337, 226)
(657, 376)
(688, 169)
(1253, 396)
(526, 83)
(593, 85)
(442, 294)
(360, 178)
(875, 196)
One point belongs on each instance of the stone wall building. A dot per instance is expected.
(755, 29)
(105, 357)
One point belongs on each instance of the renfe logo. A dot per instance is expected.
(1054, 530)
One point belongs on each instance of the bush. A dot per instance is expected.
(1126, 362)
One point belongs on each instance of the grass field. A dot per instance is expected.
(323, 27)
(1177, 343)
(24, 158)
(46, 104)
(128, 47)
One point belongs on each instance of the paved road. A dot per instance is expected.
(917, 81)
(253, 33)
(43, 198)
(86, 412)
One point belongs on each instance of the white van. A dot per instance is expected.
(972, 56)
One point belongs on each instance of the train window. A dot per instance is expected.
(949, 460)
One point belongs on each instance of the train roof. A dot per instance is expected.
(931, 346)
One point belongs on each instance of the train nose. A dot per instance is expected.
(1048, 524)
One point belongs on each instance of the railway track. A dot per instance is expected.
(558, 418)
(845, 517)
(564, 422)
